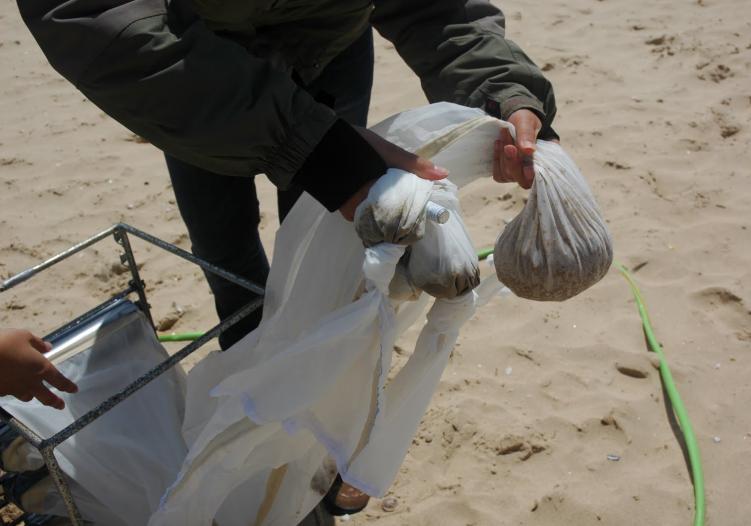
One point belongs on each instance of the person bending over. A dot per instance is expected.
(232, 89)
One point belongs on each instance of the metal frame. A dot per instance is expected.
(120, 231)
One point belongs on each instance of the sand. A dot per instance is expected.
(654, 105)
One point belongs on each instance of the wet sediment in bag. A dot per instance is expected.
(444, 262)
(558, 245)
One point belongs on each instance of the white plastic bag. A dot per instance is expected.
(394, 209)
(444, 262)
(272, 419)
(306, 395)
(301, 394)
(558, 245)
(455, 137)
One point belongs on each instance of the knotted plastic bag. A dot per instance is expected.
(305, 396)
(558, 245)
(444, 262)
(394, 210)
(440, 258)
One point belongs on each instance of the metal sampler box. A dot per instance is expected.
(118, 305)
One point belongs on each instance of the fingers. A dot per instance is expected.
(510, 159)
(514, 160)
(501, 165)
(48, 398)
(507, 163)
(528, 172)
(56, 379)
(497, 161)
(396, 157)
(425, 169)
(39, 344)
(526, 137)
(24, 397)
(527, 126)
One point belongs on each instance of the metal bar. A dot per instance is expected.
(27, 433)
(86, 316)
(147, 377)
(121, 237)
(58, 477)
(28, 273)
(237, 280)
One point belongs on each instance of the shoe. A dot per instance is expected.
(343, 499)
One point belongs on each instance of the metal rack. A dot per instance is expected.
(120, 232)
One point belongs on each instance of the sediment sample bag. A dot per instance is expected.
(558, 245)
(270, 421)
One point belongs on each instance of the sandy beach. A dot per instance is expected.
(654, 105)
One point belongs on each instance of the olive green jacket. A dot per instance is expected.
(210, 82)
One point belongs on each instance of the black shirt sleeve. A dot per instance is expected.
(341, 164)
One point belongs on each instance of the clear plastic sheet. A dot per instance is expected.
(122, 462)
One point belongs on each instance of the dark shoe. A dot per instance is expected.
(343, 499)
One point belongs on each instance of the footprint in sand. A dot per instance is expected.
(726, 309)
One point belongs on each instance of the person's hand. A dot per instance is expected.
(513, 162)
(24, 369)
(394, 157)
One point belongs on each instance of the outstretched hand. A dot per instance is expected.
(513, 161)
(394, 157)
(24, 369)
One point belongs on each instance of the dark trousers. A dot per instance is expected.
(221, 212)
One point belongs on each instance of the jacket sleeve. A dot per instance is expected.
(459, 50)
(165, 76)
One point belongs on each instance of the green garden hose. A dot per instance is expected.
(684, 422)
(484, 253)
(180, 337)
(675, 399)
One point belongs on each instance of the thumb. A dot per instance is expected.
(527, 126)
(526, 137)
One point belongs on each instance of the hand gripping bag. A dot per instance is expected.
(559, 244)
